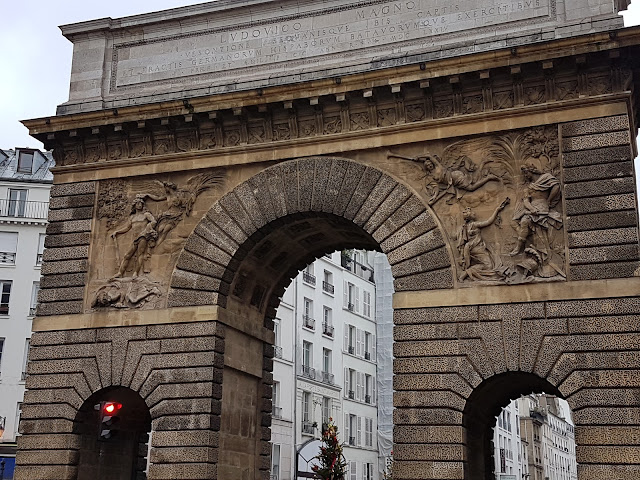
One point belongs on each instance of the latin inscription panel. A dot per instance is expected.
(321, 39)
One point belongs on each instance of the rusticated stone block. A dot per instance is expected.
(595, 221)
(352, 178)
(608, 472)
(71, 226)
(260, 190)
(614, 236)
(421, 224)
(184, 471)
(185, 438)
(596, 307)
(595, 125)
(212, 233)
(78, 188)
(184, 454)
(59, 308)
(388, 207)
(320, 180)
(61, 294)
(437, 452)
(59, 441)
(432, 381)
(598, 156)
(426, 262)
(428, 434)
(610, 453)
(607, 435)
(411, 209)
(61, 395)
(63, 337)
(193, 263)
(619, 397)
(612, 186)
(66, 214)
(419, 470)
(194, 281)
(201, 247)
(604, 270)
(236, 212)
(227, 224)
(436, 315)
(425, 281)
(67, 240)
(180, 297)
(186, 422)
(587, 142)
(46, 472)
(46, 426)
(435, 398)
(598, 172)
(43, 457)
(334, 183)
(590, 255)
(65, 266)
(426, 416)
(195, 329)
(245, 195)
(625, 201)
(66, 253)
(76, 201)
(306, 169)
(613, 415)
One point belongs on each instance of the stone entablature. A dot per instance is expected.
(221, 46)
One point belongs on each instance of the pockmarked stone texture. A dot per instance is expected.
(499, 184)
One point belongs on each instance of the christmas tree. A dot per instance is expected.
(332, 465)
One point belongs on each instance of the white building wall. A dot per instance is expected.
(23, 271)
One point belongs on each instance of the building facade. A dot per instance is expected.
(25, 181)
(325, 366)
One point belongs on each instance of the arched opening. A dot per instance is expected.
(482, 410)
(113, 447)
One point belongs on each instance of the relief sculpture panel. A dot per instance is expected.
(499, 199)
(141, 227)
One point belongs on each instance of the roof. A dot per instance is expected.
(41, 166)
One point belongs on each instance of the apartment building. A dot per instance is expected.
(25, 181)
(325, 366)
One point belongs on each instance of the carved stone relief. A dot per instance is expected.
(141, 228)
(499, 200)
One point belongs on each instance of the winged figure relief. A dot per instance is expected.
(180, 199)
(463, 167)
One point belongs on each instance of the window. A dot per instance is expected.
(349, 383)
(307, 354)
(1, 347)
(308, 276)
(40, 249)
(367, 346)
(326, 360)
(368, 389)
(17, 202)
(326, 409)
(327, 282)
(25, 161)
(5, 293)
(367, 304)
(25, 359)
(353, 428)
(275, 461)
(368, 471)
(327, 323)
(350, 339)
(8, 247)
(275, 400)
(307, 319)
(276, 331)
(18, 413)
(353, 470)
(368, 433)
(306, 406)
(350, 300)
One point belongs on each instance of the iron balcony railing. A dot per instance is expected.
(327, 287)
(8, 258)
(351, 349)
(39, 259)
(23, 377)
(309, 278)
(327, 329)
(277, 412)
(352, 440)
(350, 307)
(309, 322)
(32, 311)
(24, 209)
(308, 372)
(351, 394)
(367, 355)
(277, 351)
(367, 399)
(328, 378)
(307, 427)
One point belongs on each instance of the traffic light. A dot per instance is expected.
(109, 419)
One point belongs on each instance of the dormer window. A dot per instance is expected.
(25, 161)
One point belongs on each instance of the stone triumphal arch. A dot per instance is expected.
(207, 153)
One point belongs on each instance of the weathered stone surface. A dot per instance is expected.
(596, 125)
(587, 142)
(614, 236)
(607, 203)
(603, 171)
(612, 186)
(79, 188)
(620, 154)
(595, 221)
(66, 214)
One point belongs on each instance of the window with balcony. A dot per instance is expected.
(351, 294)
(368, 432)
(326, 409)
(8, 248)
(367, 345)
(327, 282)
(34, 298)
(307, 318)
(368, 389)
(350, 339)
(17, 202)
(40, 249)
(308, 276)
(366, 301)
(327, 322)
(275, 462)
(25, 359)
(307, 425)
(327, 376)
(350, 383)
(307, 360)
(368, 471)
(353, 427)
(275, 400)
(5, 294)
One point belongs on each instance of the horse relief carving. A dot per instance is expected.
(499, 200)
(139, 221)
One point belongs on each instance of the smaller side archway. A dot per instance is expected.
(122, 456)
(481, 409)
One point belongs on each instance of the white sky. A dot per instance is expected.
(36, 58)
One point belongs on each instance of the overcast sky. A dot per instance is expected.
(36, 58)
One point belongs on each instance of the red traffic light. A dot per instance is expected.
(110, 408)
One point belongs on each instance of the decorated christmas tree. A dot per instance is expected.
(332, 465)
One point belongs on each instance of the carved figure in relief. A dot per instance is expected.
(143, 225)
(126, 293)
(179, 200)
(535, 213)
(461, 176)
(476, 259)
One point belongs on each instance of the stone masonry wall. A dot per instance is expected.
(176, 369)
